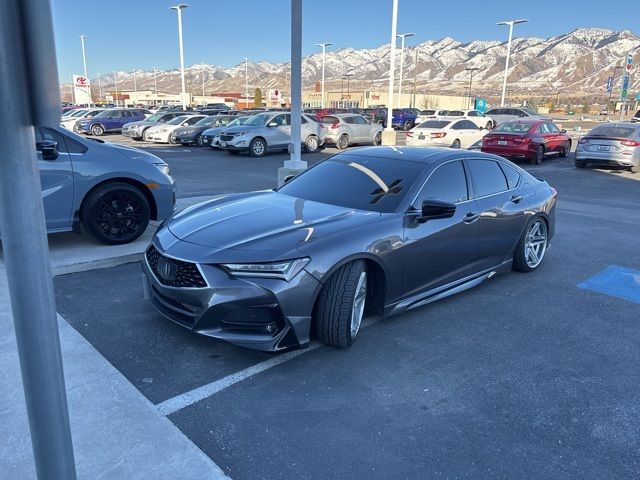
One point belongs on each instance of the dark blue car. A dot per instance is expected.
(111, 120)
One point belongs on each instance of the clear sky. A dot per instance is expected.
(141, 34)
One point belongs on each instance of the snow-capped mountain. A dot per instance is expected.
(576, 63)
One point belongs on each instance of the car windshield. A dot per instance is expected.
(155, 117)
(104, 114)
(178, 120)
(79, 113)
(259, 120)
(238, 121)
(353, 181)
(513, 127)
(209, 121)
(434, 124)
(613, 131)
(529, 111)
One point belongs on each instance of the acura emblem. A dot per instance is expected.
(166, 269)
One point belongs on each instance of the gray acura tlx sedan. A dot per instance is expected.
(377, 229)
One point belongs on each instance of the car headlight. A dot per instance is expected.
(285, 270)
(186, 132)
(162, 130)
(164, 169)
(238, 134)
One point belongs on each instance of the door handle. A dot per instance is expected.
(515, 198)
(471, 217)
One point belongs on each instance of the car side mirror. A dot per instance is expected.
(288, 178)
(433, 209)
(563, 131)
(522, 115)
(49, 150)
(272, 124)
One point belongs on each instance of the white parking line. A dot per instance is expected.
(187, 399)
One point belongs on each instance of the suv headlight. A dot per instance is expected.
(186, 132)
(285, 270)
(164, 169)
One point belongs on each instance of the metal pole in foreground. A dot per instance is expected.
(402, 36)
(388, 136)
(296, 87)
(246, 80)
(30, 94)
(115, 82)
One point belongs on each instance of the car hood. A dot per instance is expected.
(240, 128)
(194, 129)
(216, 130)
(129, 152)
(140, 122)
(264, 221)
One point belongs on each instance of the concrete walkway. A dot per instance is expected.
(117, 432)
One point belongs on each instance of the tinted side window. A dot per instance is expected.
(469, 125)
(361, 121)
(47, 134)
(487, 177)
(448, 182)
(472, 113)
(553, 128)
(513, 176)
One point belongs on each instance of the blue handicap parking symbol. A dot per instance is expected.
(616, 281)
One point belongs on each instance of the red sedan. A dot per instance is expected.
(530, 139)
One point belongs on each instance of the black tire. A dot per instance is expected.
(538, 156)
(257, 147)
(198, 141)
(455, 144)
(334, 308)
(311, 144)
(519, 260)
(173, 140)
(144, 135)
(97, 130)
(408, 125)
(489, 126)
(116, 213)
(377, 138)
(580, 164)
(565, 150)
(342, 142)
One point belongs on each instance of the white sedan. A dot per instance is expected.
(445, 132)
(69, 121)
(162, 133)
(476, 116)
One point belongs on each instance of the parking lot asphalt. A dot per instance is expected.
(526, 376)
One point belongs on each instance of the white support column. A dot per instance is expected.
(389, 134)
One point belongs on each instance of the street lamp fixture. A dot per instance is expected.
(511, 23)
(84, 63)
(402, 36)
(348, 77)
(324, 50)
(178, 8)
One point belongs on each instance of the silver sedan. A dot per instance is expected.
(344, 129)
(611, 144)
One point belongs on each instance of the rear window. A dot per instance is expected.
(428, 112)
(434, 124)
(455, 113)
(613, 131)
(512, 127)
(330, 119)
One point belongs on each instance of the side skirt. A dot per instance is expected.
(447, 290)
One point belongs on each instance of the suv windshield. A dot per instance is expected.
(258, 120)
(178, 120)
(238, 121)
(357, 182)
(155, 117)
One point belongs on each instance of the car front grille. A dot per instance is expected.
(174, 273)
(226, 138)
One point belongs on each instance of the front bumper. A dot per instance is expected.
(260, 313)
(157, 137)
(236, 143)
(185, 139)
(132, 133)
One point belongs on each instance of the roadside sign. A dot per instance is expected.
(629, 61)
(481, 104)
(625, 86)
(609, 84)
(637, 97)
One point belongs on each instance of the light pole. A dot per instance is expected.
(202, 83)
(155, 87)
(100, 86)
(246, 81)
(179, 8)
(415, 79)
(324, 51)
(511, 23)
(388, 136)
(115, 82)
(84, 63)
(470, 70)
(135, 88)
(402, 36)
(613, 82)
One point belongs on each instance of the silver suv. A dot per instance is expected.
(270, 131)
(344, 129)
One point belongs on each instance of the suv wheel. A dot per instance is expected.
(97, 130)
(377, 138)
(342, 142)
(116, 213)
(408, 125)
(565, 149)
(311, 144)
(257, 147)
(341, 303)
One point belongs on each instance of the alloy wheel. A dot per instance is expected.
(359, 299)
(119, 215)
(455, 144)
(257, 148)
(535, 244)
(312, 144)
(343, 142)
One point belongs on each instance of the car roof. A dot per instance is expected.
(416, 154)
